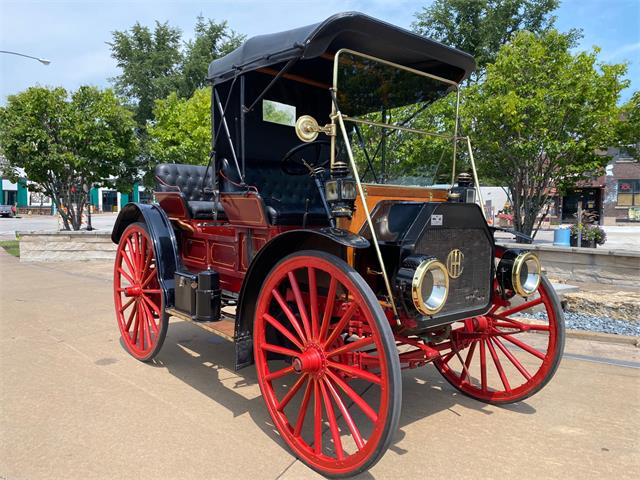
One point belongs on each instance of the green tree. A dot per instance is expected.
(150, 63)
(65, 143)
(628, 129)
(211, 40)
(541, 116)
(156, 62)
(481, 27)
(181, 132)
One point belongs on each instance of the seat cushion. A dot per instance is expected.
(296, 217)
(204, 210)
(187, 179)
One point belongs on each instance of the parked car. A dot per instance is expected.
(7, 211)
(341, 270)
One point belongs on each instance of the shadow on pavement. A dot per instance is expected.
(206, 363)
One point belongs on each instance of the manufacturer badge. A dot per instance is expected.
(454, 263)
(436, 220)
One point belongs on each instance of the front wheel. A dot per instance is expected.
(138, 298)
(327, 363)
(511, 352)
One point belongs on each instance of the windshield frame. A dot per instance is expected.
(336, 107)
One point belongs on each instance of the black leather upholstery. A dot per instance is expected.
(285, 196)
(187, 179)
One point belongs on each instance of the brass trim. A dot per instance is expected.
(455, 265)
(374, 237)
(515, 274)
(416, 286)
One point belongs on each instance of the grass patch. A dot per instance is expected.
(12, 247)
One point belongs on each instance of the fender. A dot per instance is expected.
(165, 245)
(330, 240)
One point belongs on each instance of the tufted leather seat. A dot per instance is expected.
(285, 196)
(187, 179)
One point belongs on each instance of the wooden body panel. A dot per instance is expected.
(376, 193)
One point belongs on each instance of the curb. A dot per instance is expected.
(603, 337)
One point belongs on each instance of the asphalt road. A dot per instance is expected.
(74, 405)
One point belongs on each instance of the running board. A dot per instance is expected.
(224, 327)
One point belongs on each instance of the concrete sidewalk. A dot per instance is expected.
(74, 405)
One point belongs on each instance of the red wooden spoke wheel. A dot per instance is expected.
(327, 363)
(510, 353)
(138, 298)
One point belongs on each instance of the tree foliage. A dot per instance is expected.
(181, 132)
(64, 142)
(629, 127)
(541, 116)
(211, 40)
(156, 63)
(150, 63)
(481, 27)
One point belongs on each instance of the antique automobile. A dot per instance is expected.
(337, 237)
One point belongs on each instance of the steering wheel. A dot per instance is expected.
(295, 163)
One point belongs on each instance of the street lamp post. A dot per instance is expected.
(43, 61)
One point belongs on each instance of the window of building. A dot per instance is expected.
(629, 193)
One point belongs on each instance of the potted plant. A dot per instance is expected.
(591, 235)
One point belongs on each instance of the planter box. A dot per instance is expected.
(58, 246)
(584, 243)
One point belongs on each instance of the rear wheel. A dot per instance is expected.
(138, 298)
(327, 363)
(510, 353)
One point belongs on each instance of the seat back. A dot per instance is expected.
(187, 179)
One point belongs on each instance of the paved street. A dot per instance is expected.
(75, 405)
(8, 226)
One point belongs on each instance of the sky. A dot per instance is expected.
(72, 34)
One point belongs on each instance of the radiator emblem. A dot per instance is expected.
(454, 263)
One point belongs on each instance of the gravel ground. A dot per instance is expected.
(591, 323)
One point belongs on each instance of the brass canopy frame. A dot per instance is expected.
(336, 115)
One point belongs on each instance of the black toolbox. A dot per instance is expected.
(198, 295)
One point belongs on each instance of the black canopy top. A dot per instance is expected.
(352, 30)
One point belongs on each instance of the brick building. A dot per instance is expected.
(614, 197)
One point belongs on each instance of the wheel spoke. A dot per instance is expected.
(151, 291)
(357, 399)
(287, 311)
(292, 391)
(328, 309)
(131, 315)
(512, 358)
(363, 342)
(317, 419)
(131, 254)
(148, 278)
(525, 347)
(300, 303)
(279, 373)
(278, 326)
(511, 323)
(151, 318)
(496, 362)
(313, 297)
(520, 308)
(483, 365)
(147, 324)
(126, 276)
(356, 372)
(467, 361)
(341, 324)
(126, 259)
(134, 333)
(355, 433)
(303, 408)
(141, 327)
(333, 423)
(128, 304)
(281, 350)
(156, 309)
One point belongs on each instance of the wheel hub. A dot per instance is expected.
(133, 291)
(311, 361)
